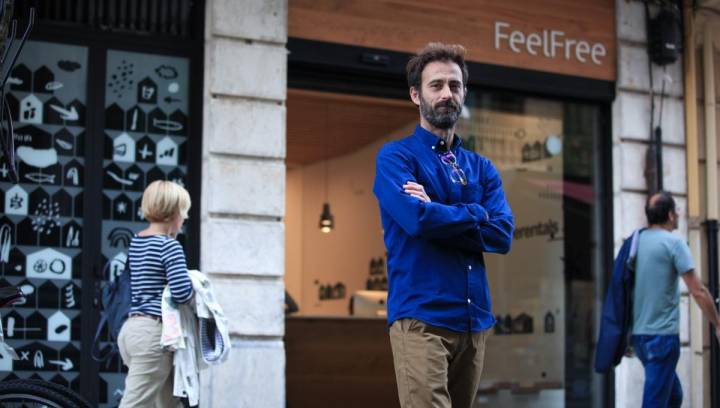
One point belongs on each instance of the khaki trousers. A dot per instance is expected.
(149, 382)
(436, 367)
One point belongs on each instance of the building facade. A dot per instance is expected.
(268, 109)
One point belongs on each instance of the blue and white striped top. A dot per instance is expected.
(157, 261)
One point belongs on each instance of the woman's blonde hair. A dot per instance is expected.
(163, 200)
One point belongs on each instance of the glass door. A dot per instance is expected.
(544, 290)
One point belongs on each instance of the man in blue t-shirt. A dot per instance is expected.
(662, 257)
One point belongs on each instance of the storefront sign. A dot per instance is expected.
(548, 43)
(560, 36)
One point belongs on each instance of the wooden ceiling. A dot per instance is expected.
(322, 125)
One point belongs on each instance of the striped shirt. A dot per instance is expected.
(157, 261)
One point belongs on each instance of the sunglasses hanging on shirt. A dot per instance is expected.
(457, 175)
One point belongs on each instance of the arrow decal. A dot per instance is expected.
(69, 115)
(65, 365)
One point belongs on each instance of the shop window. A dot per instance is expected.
(42, 230)
(42, 222)
(543, 292)
(141, 146)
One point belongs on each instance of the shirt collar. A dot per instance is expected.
(434, 141)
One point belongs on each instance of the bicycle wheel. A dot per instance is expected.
(30, 394)
(78, 399)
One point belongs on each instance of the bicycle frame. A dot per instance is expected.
(7, 133)
(9, 296)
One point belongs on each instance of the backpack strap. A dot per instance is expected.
(95, 351)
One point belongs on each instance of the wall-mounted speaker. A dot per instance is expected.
(665, 36)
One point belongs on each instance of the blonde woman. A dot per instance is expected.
(156, 260)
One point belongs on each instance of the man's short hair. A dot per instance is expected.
(435, 51)
(658, 207)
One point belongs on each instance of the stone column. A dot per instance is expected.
(243, 195)
(631, 138)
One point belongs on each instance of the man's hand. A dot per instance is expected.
(416, 190)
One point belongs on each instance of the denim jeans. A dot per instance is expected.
(659, 355)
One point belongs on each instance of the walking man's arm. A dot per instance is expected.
(703, 298)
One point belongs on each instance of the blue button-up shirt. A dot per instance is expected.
(435, 249)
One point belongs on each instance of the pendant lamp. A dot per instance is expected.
(327, 221)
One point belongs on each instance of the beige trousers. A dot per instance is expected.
(149, 382)
(436, 367)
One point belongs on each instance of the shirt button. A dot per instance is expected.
(469, 301)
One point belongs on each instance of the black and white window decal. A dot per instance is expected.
(41, 226)
(146, 129)
(41, 230)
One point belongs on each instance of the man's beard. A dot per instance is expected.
(438, 117)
